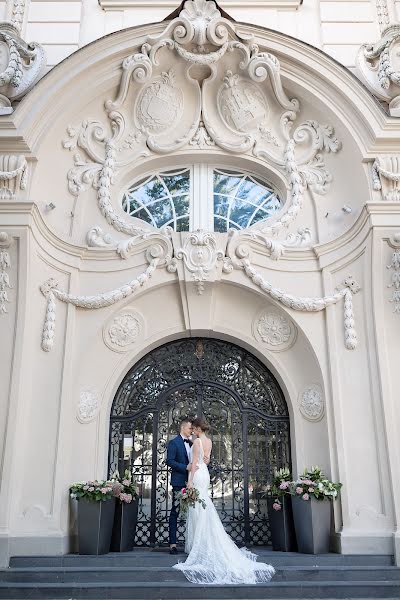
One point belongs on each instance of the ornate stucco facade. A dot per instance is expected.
(86, 290)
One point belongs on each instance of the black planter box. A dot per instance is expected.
(124, 528)
(282, 526)
(312, 521)
(95, 523)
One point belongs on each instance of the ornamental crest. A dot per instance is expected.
(242, 105)
(312, 405)
(88, 406)
(160, 104)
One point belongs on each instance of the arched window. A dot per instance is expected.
(201, 197)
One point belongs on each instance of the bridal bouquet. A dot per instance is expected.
(187, 498)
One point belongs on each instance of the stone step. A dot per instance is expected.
(139, 558)
(337, 590)
(163, 574)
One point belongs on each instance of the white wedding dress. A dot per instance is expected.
(213, 556)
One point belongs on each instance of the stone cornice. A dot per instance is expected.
(373, 215)
(108, 5)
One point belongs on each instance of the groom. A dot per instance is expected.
(179, 458)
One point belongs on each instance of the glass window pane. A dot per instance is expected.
(241, 200)
(241, 213)
(225, 182)
(221, 204)
(161, 199)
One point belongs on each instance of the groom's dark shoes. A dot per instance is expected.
(173, 550)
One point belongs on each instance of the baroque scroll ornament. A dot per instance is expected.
(235, 102)
(21, 64)
(379, 67)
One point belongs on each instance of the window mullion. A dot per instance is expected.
(210, 198)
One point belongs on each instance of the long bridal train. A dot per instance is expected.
(213, 557)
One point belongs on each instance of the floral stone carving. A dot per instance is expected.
(274, 330)
(122, 330)
(235, 101)
(312, 404)
(88, 406)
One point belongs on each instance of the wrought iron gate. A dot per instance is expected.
(249, 421)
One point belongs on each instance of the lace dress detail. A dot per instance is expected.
(213, 556)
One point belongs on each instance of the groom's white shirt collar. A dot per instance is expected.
(187, 446)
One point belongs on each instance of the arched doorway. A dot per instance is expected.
(249, 421)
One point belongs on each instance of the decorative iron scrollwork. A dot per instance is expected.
(249, 427)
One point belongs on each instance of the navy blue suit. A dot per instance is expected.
(177, 460)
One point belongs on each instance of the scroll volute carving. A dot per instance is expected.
(21, 65)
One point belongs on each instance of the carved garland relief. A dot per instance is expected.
(234, 101)
(394, 268)
(5, 264)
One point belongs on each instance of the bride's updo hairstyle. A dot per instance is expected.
(201, 423)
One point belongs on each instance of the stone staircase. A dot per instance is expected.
(145, 574)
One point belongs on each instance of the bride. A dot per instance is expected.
(213, 556)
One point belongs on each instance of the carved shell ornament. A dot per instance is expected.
(235, 101)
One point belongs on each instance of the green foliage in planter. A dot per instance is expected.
(313, 484)
(95, 491)
(280, 487)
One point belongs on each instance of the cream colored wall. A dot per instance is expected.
(46, 446)
(338, 27)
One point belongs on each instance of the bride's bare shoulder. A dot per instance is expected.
(208, 443)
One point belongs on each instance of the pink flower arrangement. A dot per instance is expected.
(277, 506)
(313, 484)
(125, 490)
(125, 498)
(96, 491)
